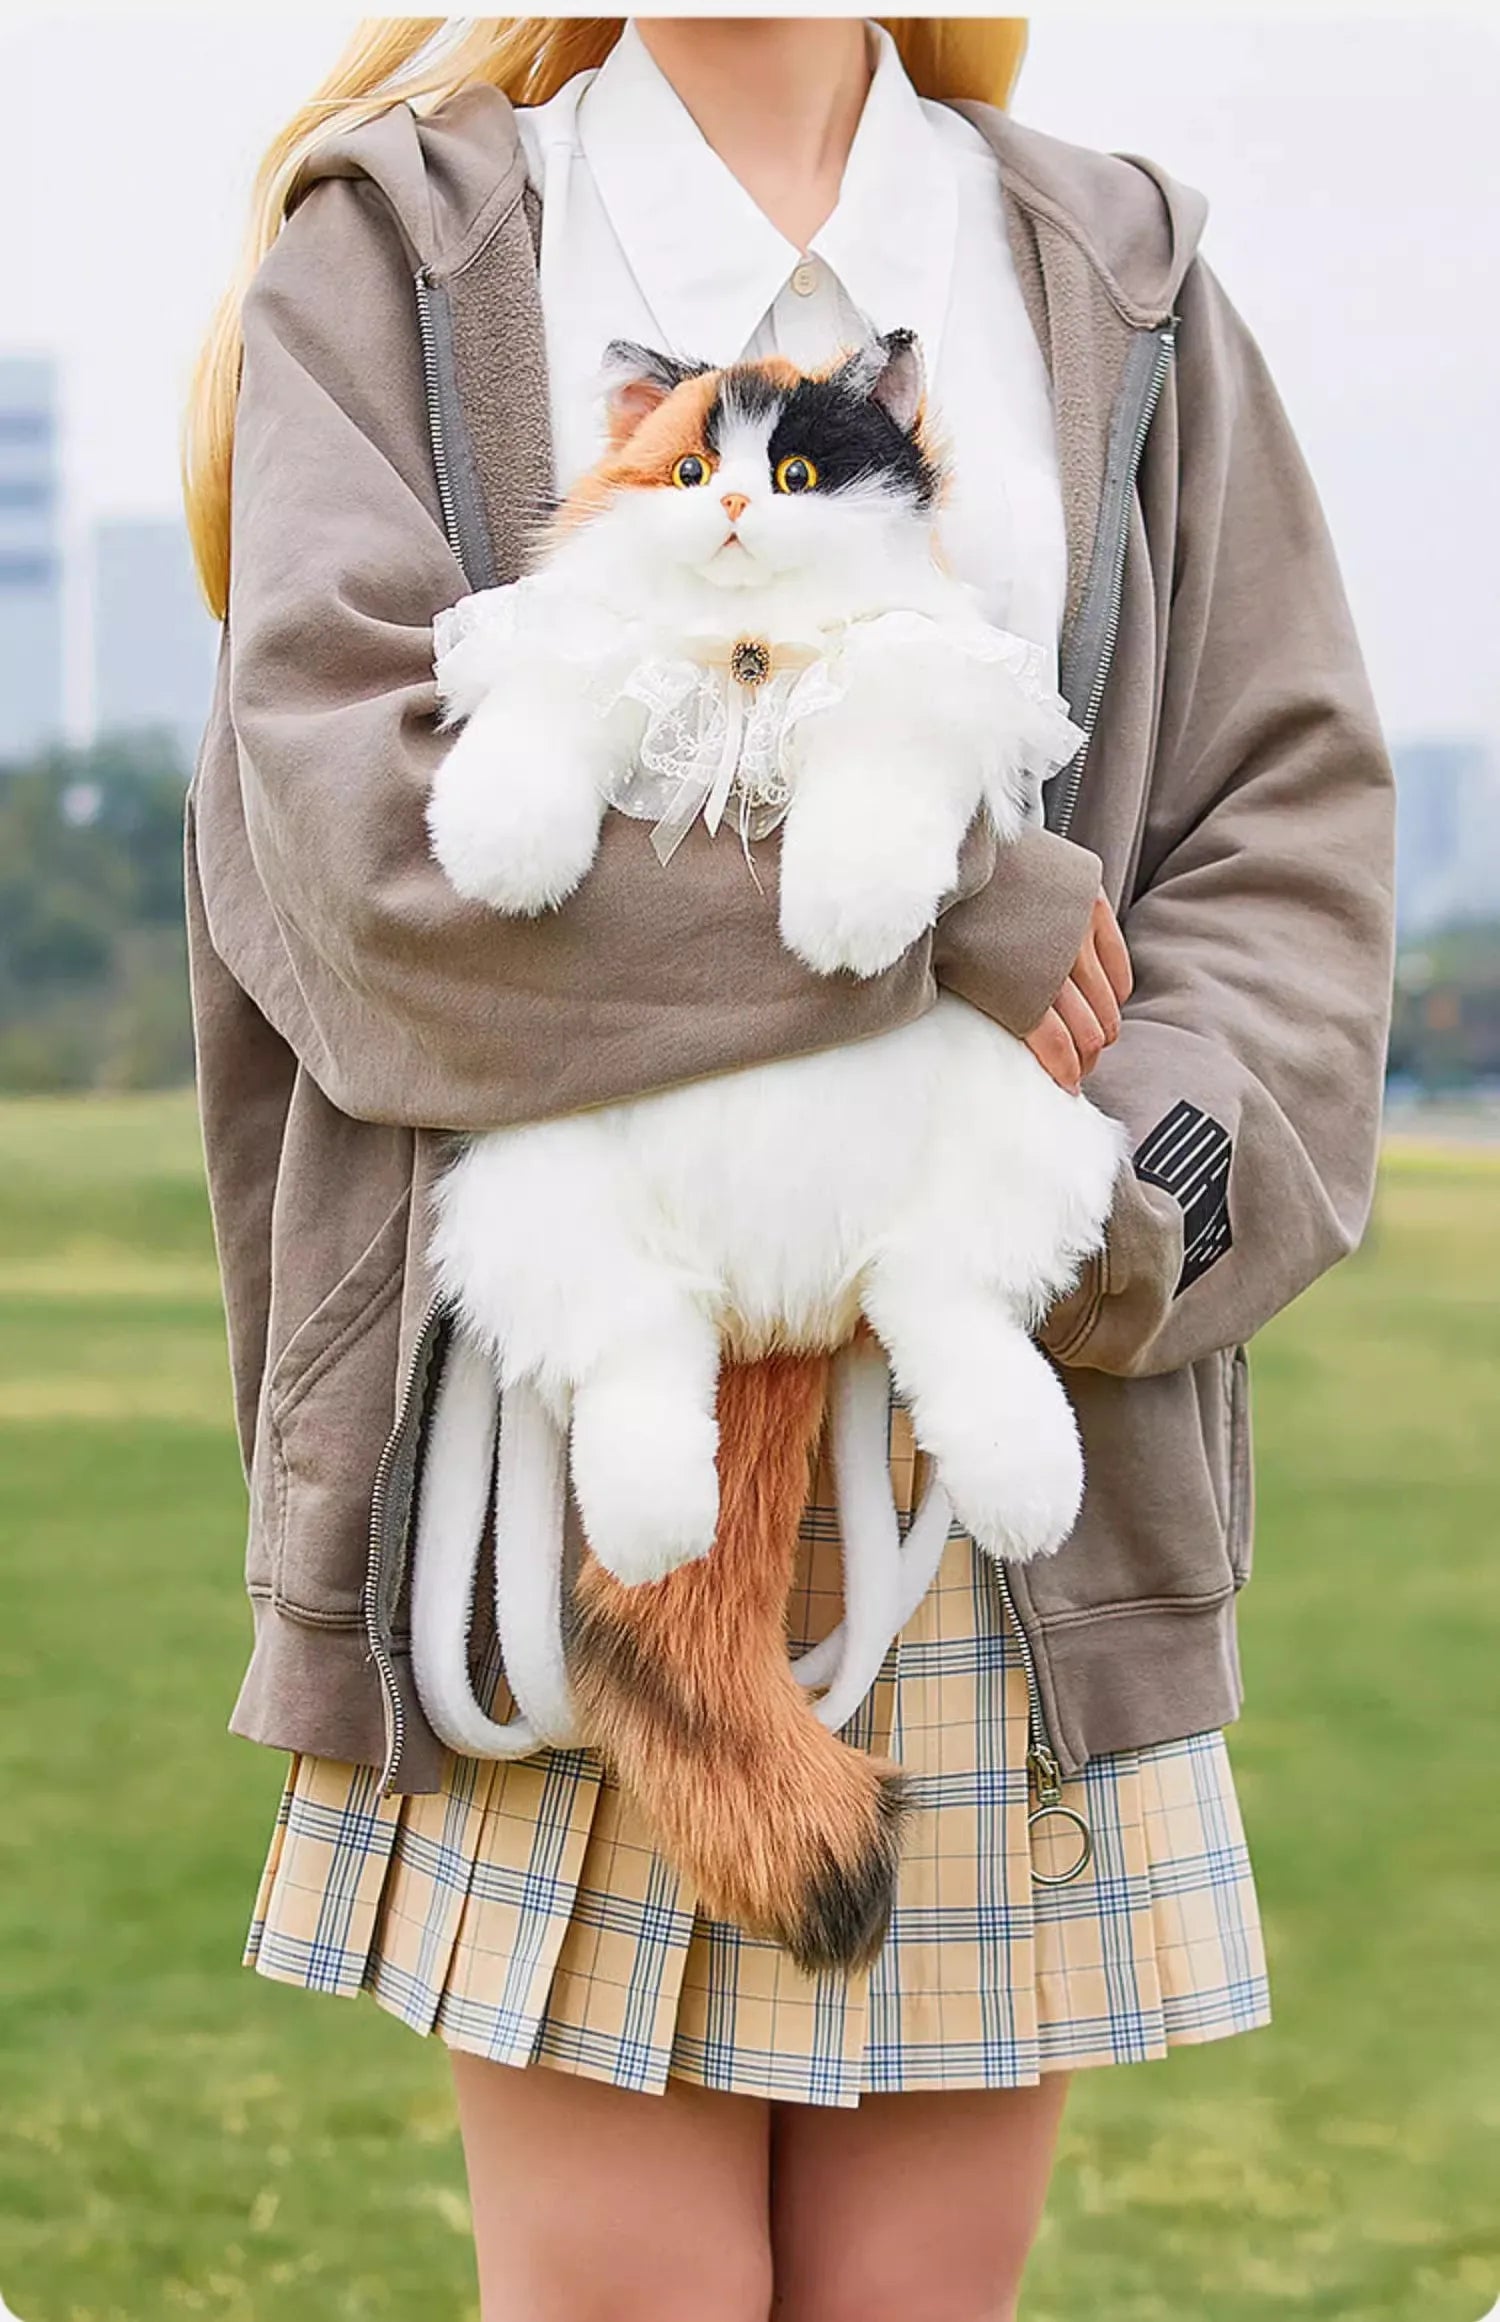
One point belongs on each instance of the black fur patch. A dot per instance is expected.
(744, 393)
(847, 1910)
(848, 436)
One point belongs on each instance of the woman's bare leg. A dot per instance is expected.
(918, 2208)
(593, 2204)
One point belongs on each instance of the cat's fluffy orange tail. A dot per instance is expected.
(685, 1689)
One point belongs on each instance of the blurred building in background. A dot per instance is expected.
(1447, 834)
(31, 565)
(154, 642)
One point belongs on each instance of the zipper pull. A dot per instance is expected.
(1046, 1775)
(1046, 1782)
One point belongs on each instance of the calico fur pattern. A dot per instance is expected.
(933, 1184)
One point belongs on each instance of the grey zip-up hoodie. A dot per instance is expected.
(1234, 796)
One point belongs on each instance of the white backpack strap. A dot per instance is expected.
(885, 1577)
(459, 1460)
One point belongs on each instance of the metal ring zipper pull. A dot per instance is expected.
(1043, 1769)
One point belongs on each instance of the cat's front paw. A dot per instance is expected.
(850, 917)
(517, 837)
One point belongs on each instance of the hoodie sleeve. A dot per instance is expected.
(1249, 1067)
(1008, 947)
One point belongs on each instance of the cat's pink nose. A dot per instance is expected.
(734, 505)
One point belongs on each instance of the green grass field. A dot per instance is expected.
(180, 2138)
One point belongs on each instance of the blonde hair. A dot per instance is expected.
(421, 60)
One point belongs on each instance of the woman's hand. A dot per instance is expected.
(1084, 1018)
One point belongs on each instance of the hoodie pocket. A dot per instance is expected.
(327, 1405)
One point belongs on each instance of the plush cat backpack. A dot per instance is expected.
(740, 614)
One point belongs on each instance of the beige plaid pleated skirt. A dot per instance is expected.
(521, 1912)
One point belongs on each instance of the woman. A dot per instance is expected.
(661, 2117)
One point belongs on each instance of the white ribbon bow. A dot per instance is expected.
(717, 724)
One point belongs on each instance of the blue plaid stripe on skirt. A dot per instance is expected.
(521, 1912)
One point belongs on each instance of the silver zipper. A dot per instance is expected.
(1166, 346)
(427, 332)
(1044, 1773)
(393, 1709)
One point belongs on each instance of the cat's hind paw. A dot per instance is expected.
(648, 1496)
(1021, 1500)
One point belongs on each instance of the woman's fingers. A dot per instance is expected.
(1084, 1019)
(1111, 949)
(1088, 1035)
(1093, 985)
(1052, 1045)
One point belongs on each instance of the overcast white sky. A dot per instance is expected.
(1350, 163)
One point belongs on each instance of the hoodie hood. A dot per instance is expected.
(1137, 227)
(449, 177)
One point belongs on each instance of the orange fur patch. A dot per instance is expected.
(642, 459)
(645, 458)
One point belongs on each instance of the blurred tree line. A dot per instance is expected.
(93, 961)
(1446, 1030)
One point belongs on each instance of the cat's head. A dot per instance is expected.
(760, 473)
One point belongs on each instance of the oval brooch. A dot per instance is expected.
(750, 662)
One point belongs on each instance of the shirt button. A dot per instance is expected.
(805, 278)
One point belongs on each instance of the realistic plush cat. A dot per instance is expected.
(741, 613)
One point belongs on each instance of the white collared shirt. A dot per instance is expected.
(647, 235)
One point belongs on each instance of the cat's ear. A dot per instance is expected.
(889, 372)
(634, 380)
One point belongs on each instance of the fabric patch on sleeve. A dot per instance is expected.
(1188, 1155)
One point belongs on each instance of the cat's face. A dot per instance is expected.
(744, 477)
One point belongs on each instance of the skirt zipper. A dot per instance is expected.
(1165, 348)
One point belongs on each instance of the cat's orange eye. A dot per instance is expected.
(795, 474)
(691, 469)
